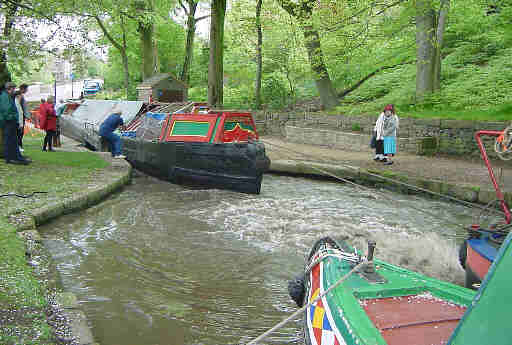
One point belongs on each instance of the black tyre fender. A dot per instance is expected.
(297, 290)
(471, 279)
(463, 253)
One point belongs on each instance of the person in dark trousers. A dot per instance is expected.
(48, 122)
(107, 129)
(9, 123)
(23, 114)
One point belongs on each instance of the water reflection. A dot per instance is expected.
(163, 264)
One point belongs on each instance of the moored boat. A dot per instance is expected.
(212, 148)
(379, 303)
(481, 247)
(350, 299)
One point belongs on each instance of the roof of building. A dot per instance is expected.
(150, 82)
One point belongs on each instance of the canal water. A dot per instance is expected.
(164, 264)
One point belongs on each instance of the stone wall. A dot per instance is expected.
(419, 136)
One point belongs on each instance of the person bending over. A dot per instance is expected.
(107, 128)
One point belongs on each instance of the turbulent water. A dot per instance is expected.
(164, 264)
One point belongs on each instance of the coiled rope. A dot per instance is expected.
(299, 311)
(503, 144)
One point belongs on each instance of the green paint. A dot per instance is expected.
(344, 301)
(190, 128)
(487, 319)
(215, 129)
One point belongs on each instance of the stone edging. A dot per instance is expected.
(67, 300)
(389, 179)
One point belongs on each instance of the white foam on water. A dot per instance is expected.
(292, 213)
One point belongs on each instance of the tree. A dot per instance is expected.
(145, 26)
(216, 65)
(259, 63)
(9, 15)
(303, 12)
(429, 39)
(190, 11)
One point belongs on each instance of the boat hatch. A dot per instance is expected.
(414, 319)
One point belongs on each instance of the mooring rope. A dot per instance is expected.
(21, 196)
(468, 204)
(299, 311)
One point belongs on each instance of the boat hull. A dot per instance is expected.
(233, 166)
(383, 305)
(480, 254)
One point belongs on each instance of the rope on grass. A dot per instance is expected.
(20, 195)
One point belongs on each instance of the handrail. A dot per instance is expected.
(499, 194)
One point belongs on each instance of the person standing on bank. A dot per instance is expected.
(9, 123)
(48, 122)
(107, 129)
(386, 128)
(23, 114)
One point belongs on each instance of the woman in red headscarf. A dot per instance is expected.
(386, 128)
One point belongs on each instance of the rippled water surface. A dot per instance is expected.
(164, 264)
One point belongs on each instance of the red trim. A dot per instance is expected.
(478, 264)
(499, 194)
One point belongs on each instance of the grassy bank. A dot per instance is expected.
(23, 297)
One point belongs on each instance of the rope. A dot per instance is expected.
(291, 317)
(21, 196)
(468, 204)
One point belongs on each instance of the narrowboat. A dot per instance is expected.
(481, 247)
(353, 299)
(195, 145)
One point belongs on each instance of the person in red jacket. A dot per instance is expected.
(48, 122)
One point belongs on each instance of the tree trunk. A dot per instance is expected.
(146, 40)
(189, 48)
(303, 11)
(441, 24)
(257, 92)
(5, 75)
(215, 66)
(424, 49)
(323, 82)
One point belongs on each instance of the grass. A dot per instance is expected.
(59, 174)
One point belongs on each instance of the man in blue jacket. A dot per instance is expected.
(9, 123)
(107, 129)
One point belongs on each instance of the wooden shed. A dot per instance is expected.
(163, 87)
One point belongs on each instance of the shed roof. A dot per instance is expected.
(150, 82)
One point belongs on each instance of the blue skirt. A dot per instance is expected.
(389, 145)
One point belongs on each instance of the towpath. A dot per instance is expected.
(458, 177)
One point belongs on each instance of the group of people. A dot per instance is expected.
(385, 132)
(13, 116)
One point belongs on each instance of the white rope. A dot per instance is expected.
(285, 321)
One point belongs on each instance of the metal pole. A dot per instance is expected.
(500, 196)
(72, 88)
(55, 87)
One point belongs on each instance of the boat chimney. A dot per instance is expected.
(369, 268)
(371, 249)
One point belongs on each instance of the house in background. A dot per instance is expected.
(163, 87)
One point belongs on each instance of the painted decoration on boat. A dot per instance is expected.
(190, 127)
(238, 128)
(319, 317)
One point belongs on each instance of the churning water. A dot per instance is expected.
(164, 264)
